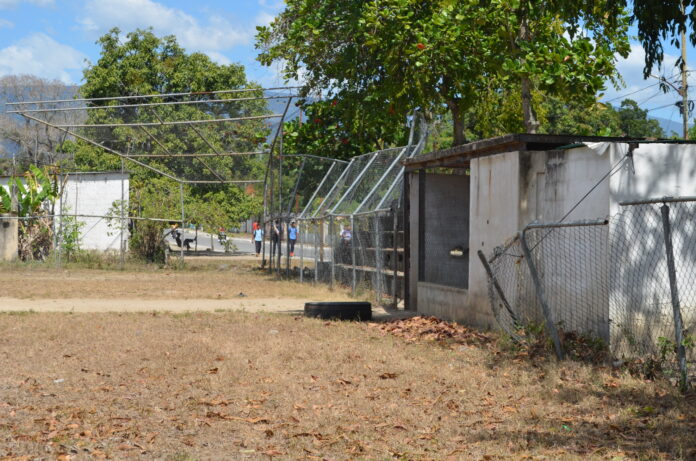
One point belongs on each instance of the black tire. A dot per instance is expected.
(339, 310)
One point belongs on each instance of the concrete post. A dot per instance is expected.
(9, 238)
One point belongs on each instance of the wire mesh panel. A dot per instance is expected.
(573, 265)
(514, 305)
(323, 187)
(642, 310)
(606, 280)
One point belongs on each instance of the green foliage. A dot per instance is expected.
(397, 55)
(69, 234)
(142, 63)
(634, 121)
(330, 129)
(37, 188)
(576, 119)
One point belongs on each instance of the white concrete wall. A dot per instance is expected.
(552, 183)
(639, 272)
(495, 215)
(659, 170)
(94, 194)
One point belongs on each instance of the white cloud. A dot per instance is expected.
(14, 3)
(4, 23)
(40, 55)
(646, 91)
(264, 19)
(218, 57)
(216, 35)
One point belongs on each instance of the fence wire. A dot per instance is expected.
(605, 280)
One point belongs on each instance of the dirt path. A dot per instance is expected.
(220, 285)
(287, 305)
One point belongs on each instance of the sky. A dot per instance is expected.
(55, 39)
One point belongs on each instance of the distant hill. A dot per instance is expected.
(669, 126)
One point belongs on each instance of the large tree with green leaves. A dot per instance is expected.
(143, 64)
(398, 55)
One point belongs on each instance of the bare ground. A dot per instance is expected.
(262, 386)
(207, 284)
(235, 385)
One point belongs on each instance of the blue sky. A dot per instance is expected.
(53, 38)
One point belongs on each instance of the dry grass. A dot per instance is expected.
(202, 279)
(259, 386)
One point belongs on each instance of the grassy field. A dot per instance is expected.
(231, 385)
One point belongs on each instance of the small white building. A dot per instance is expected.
(89, 196)
(479, 195)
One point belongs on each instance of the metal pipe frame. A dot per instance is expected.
(356, 182)
(340, 179)
(316, 191)
(270, 161)
(137, 162)
(108, 149)
(151, 104)
(658, 200)
(393, 164)
(317, 157)
(134, 218)
(221, 154)
(176, 122)
(297, 186)
(147, 96)
(584, 223)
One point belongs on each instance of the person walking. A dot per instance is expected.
(276, 236)
(292, 237)
(346, 240)
(257, 239)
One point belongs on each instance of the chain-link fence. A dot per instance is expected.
(627, 281)
(363, 252)
(350, 230)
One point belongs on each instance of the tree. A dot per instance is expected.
(25, 141)
(634, 121)
(572, 118)
(324, 131)
(143, 64)
(402, 54)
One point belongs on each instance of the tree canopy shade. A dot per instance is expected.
(397, 55)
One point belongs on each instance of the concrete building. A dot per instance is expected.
(89, 196)
(477, 196)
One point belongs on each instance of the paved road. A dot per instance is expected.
(206, 243)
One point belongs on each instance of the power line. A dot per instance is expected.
(644, 88)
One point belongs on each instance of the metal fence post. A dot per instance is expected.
(378, 259)
(316, 253)
(496, 286)
(59, 241)
(541, 296)
(279, 247)
(674, 291)
(352, 254)
(301, 235)
(287, 248)
(122, 259)
(395, 259)
(183, 218)
(332, 244)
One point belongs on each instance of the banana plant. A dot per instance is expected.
(32, 191)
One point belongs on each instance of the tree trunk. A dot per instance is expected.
(531, 123)
(458, 122)
(529, 115)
